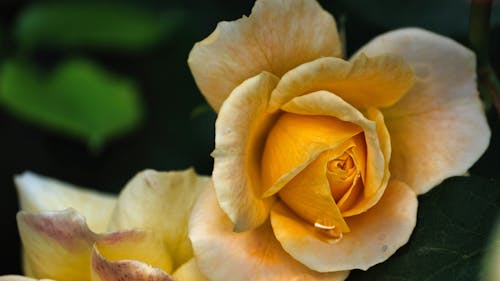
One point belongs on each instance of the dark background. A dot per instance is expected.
(171, 138)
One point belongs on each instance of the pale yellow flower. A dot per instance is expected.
(319, 160)
(71, 233)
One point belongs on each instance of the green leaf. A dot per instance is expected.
(448, 17)
(453, 225)
(99, 25)
(78, 99)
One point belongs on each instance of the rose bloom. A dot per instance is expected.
(319, 160)
(75, 234)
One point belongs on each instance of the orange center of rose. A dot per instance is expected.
(340, 172)
(316, 165)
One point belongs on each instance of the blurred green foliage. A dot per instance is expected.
(200, 110)
(79, 99)
(454, 222)
(70, 24)
(2, 43)
(490, 270)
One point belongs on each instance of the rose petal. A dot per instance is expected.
(20, 278)
(378, 81)
(144, 246)
(374, 237)
(39, 193)
(382, 131)
(295, 141)
(357, 150)
(439, 128)
(276, 37)
(328, 104)
(189, 272)
(26, 266)
(57, 244)
(240, 132)
(161, 202)
(105, 270)
(251, 255)
(363, 203)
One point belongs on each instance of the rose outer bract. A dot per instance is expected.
(318, 160)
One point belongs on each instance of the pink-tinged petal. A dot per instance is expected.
(374, 237)
(240, 132)
(141, 245)
(39, 193)
(438, 129)
(189, 272)
(57, 244)
(251, 255)
(161, 202)
(20, 278)
(377, 81)
(276, 37)
(105, 270)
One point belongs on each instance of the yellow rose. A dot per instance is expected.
(318, 160)
(75, 234)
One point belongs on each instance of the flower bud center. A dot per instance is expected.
(319, 162)
(340, 173)
(340, 165)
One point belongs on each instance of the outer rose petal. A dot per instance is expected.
(189, 272)
(276, 37)
(374, 237)
(162, 202)
(251, 255)
(20, 278)
(105, 270)
(39, 193)
(439, 128)
(365, 82)
(57, 244)
(240, 131)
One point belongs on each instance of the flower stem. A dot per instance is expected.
(479, 31)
